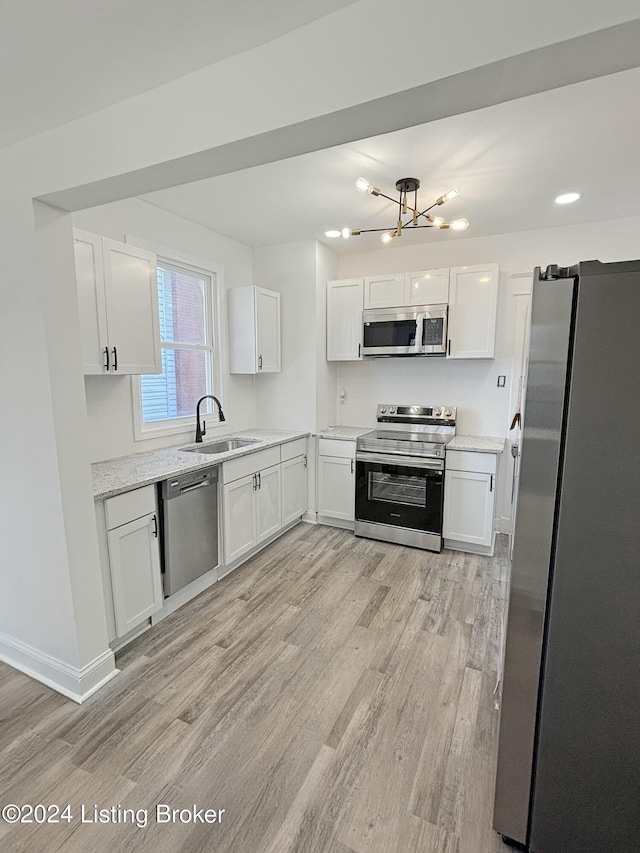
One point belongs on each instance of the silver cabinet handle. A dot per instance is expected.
(255, 482)
(491, 484)
(155, 525)
(115, 358)
(106, 352)
(305, 460)
(259, 475)
(259, 362)
(352, 465)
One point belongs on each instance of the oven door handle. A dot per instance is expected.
(402, 461)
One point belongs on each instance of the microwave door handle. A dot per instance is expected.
(419, 332)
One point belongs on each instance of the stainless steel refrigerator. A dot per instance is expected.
(568, 778)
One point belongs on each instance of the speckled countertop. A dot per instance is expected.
(343, 433)
(130, 472)
(477, 443)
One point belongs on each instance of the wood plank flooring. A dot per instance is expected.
(333, 695)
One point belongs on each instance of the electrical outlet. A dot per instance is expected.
(502, 381)
(342, 396)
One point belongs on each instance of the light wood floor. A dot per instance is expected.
(334, 695)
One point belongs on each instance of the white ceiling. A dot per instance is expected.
(510, 161)
(62, 59)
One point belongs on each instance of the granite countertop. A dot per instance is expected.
(477, 443)
(115, 476)
(343, 433)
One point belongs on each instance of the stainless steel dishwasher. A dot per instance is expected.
(189, 526)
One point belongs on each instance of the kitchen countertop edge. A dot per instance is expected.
(342, 433)
(116, 476)
(477, 443)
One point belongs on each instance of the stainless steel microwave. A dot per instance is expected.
(414, 330)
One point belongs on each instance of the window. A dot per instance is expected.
(167, 401)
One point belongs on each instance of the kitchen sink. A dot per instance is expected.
(223, 446)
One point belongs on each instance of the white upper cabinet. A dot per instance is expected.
(424, 287)
(254, 330)
(384, 291)
(344, 319)
(91, 304)
(473, 301)
(427, 287)
(118, 304)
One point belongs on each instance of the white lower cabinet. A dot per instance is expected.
(469, 501)
(263, 493)
(336, 480)
(294, 489)
(268, 503)
(252, 512)
(239, 518)
(134, 558)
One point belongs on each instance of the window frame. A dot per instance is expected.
(144, 431)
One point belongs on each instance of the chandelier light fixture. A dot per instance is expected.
(406, 187)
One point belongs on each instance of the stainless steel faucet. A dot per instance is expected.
(202, 430)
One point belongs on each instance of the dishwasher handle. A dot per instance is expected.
(202, 485)
(190, 482)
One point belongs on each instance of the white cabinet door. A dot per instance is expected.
(384, 291)
(268, 330)
(294, 489)
(473, 301)
(468, 507)
(134, 559)
(93, 312)
(131, 295)
(427, 287)
(268, 503)
(336, 487)
(239, 518)
(344, 319)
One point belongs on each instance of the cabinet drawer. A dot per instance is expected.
(129, 506)
(336, 447)
(249, 464)
(292, 449)
(469, 460)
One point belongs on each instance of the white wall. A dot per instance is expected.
(326, 371)
(137, 146)
(303, 395)
(287, 399)
(109, 399)
(483, 408)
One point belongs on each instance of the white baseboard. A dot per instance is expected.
(502, 525)
(336, 522)
(75, 683)
(471, 548)
(310, 517)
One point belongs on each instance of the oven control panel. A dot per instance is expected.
(395, 413)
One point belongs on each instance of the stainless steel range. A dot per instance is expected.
(400, 475)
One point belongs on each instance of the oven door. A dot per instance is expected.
(391, 331)
(405, 492)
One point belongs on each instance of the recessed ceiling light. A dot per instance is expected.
(332, 233)
(567, 198)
